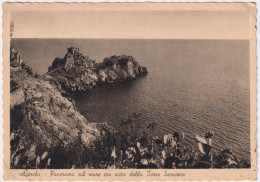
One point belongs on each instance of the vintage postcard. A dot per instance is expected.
(129, 91)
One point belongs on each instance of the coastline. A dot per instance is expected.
(39, 93)
(39, 115)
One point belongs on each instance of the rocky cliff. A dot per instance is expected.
(44, 120)
(76, 72)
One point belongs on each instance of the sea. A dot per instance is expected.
(193, 86)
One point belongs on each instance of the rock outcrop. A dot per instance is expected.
(16, 97)
(44, 120)
(15, 58)
(76, 72)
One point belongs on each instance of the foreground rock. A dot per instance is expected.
(43, 120)
(76, 72)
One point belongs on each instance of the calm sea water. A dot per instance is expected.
(192, 85)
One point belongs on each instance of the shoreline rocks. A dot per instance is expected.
(76, 72)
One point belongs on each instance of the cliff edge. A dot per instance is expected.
(41, 118)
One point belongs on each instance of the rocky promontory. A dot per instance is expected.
(76, 72)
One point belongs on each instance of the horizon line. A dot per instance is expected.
(130, 38)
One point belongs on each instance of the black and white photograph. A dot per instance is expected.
(130, 89)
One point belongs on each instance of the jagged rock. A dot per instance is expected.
(76, 72)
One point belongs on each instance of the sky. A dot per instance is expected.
(132, 24)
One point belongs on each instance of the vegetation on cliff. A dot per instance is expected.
(76, 72)
(135, 146)
(47, 131)
(44, 120)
